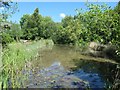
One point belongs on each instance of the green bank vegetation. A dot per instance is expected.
(99, 23)
(15, 56)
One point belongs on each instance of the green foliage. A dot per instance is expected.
(117, 8)
(9, 8)
(15, 56)
(6, 38)
(13, 32)
(97, 23)
(47, 27)
(58, 33)
(101, 23)
(35, 26)
(29, 27)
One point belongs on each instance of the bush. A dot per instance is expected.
(6, 38)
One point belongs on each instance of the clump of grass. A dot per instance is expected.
(15, 55)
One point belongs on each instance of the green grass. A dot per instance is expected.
(15, 55)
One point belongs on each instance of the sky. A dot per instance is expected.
(56, 10)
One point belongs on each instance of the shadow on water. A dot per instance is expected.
(98, 74)
(55, 76)
(62, 67)
(87, 74)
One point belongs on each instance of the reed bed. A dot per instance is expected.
(14, 58)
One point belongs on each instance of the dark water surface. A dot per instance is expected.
(62, 67)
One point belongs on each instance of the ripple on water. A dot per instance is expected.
(94, 79)
(56, 76)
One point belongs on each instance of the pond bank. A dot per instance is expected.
(15, 55)
(45, 54)
(85, 68)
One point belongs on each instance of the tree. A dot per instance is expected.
(48, 27)
(25, 26)
(9, 8)
(117, 8)
(31, 25)
(15, 31)
(101, 23)
(4, 4)
(36, 26)
(57, 33)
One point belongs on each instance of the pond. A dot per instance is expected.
(64, 67)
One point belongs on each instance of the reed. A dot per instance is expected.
(14, 58)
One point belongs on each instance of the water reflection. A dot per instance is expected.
(53, 65)
(99, 74)
(55, 76)
(86, 74)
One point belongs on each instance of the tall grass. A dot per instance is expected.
(15, 55)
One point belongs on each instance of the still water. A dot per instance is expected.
(63, 66)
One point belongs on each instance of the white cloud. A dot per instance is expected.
(1, 8)
(62, 15)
